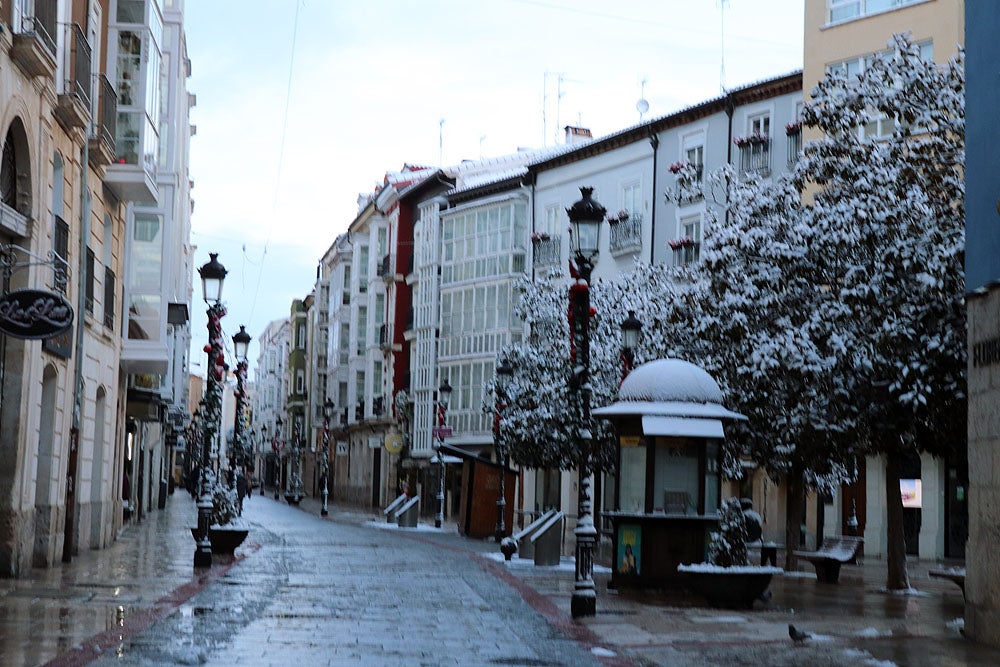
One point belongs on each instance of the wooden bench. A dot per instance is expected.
(955, 574)
(836, 550)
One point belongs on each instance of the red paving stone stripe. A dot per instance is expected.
(98, 645)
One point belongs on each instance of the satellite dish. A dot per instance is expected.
(642, 106)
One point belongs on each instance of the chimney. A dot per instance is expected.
(577, 135)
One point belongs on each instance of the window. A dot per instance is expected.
(879, 126)
(755, 147)
(109, 298)
(687, 248)
(844, 10)
(632, 198)
(90, 280)
(300, 381)
(300, 337)
(760, 124)
(60, 244)
(551, 220)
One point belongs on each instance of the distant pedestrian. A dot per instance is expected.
(241, 489)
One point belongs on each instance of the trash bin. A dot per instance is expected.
(547, 541)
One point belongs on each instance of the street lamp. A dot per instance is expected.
(631, 331)
(241, 343)
(441, 431)
(213, 274)
(585, 217)
(504, 373)
(328, 408)
(278, 434)
(261, 458)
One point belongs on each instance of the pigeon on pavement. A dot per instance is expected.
(797, 636)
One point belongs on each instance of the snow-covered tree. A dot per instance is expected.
(894, 207)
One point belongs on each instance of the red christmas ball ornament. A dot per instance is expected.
(207, 348)
(593, 311)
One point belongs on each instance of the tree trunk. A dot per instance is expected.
(896, 577)
(793, 516)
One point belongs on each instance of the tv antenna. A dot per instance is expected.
(722, 44)
(642, 106)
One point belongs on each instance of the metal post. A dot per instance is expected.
(585, 216)
(439, 519)
(584, 601)
(503, 374)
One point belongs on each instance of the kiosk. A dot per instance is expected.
(669, 418)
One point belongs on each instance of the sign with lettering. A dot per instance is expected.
(34, 314)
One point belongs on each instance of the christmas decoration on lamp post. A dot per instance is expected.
(585, 217)
(237, 459)
(213, 274)
(328, 408)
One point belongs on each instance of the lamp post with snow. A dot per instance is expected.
(585, 217)
(631, 331)
(441, 431)
(241, 344)
(328, 408)
(278, 437)
(213, 274)
(504, 373)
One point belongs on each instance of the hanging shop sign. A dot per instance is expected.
(394, 443)
(34, 314)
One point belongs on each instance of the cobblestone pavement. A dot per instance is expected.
(349, 589)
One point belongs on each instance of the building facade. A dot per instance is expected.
(72, 181)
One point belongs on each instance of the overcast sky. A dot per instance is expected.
(303, 106)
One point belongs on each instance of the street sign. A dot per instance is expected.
(442, 432)
(393, 443)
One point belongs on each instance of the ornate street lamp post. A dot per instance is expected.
(294, 495)
(261, 458)
(328, 408)
(241, 343)
(278, 435)
(585, 217)
(441, 431)
(213, 274)
(504, 373)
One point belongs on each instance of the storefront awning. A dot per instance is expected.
(682, 426)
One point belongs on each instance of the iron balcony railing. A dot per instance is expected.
(107, 113)
(546, 250)
(626, 235)
(78, 83)
(755, 157)
(38, 18)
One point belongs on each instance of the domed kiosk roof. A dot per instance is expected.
(673, 397)
(670, 380)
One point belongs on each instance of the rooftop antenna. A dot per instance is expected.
(441, 142)
(722, 41)
(642, 106)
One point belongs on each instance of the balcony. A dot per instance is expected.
(547, 250)
(626, 235)
(685, 252)
(387, 269)
(73, 105)
(385, 338)
(101, 150)
(794, 134)
(755, 155)
(13, 222)
(34, 45)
